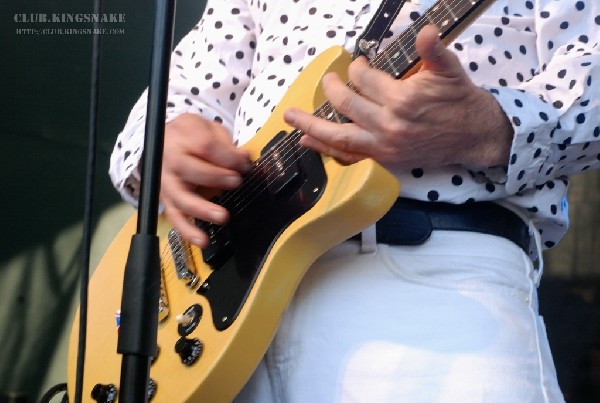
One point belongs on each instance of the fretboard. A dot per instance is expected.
(451, 17)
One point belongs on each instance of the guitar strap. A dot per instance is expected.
(368, 43)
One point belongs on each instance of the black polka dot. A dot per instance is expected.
(433, 195)
(417, 173)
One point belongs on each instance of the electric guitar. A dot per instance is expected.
(220, 307)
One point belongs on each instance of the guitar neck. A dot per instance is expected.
(451, 17)
(400, 58)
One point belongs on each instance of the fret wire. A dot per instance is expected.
(291, 141)
(387, 59)
(404, 45)
(443, 2)
(405, 42)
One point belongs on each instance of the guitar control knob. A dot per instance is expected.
(151, 388)
(155, 356)
(104, 393)
(189, 350)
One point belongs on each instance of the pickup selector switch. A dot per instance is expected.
(189, 350)
(189, 320)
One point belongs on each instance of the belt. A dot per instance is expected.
(410, 222)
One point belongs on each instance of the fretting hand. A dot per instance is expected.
(435, 117)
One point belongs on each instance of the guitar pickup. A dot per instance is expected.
(220, 246)
(282, 166)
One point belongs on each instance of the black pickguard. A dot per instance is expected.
(284, 186)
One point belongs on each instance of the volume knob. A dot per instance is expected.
(104, 393)
(189, 350)
(151, 391)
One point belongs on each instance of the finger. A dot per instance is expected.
(176, 194)
(206, 140)
(343, 157)
(381, 106)
(340, 141)
(186, 228)
(240, 160)
(325, 131)
(359, 108)
(198, 172)
(181, 202)
(370, 82)
(434, 55)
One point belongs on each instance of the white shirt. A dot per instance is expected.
(539, 58)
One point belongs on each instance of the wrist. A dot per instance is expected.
(491, 129)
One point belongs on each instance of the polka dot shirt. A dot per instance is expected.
(539, 58)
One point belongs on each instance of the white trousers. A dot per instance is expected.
(454, 320)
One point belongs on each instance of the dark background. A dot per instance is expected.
(45, 87)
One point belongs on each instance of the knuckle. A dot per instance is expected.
(397, 100)
(344, 142)
(345, 104)
(203, 145)
(176, 166)
(392, 127)
(307, 127)
(357, 72)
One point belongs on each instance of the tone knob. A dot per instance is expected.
(155, 356)
(104, 393)
(189, 350)
(151, 388)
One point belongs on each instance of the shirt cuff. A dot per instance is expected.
(533, 121)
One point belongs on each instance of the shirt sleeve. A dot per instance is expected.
(209, 70)
(555, 114)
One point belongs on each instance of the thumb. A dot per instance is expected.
(434, 55)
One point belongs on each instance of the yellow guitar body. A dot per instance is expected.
(355, 197)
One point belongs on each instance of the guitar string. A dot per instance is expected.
(290, 143)
(281, 145)
(457, 10)
(330, 112)
(383, 59)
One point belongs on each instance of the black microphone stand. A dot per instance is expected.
(141, 283)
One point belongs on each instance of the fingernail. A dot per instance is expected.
(437, 46)
(232, 181)
(289, 115)
(247, 166)
(198, 242)
(218, 215)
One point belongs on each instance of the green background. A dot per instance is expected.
(45, 88)
(45, 82)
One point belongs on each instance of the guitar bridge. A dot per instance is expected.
(182, 259)
(163, 302)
